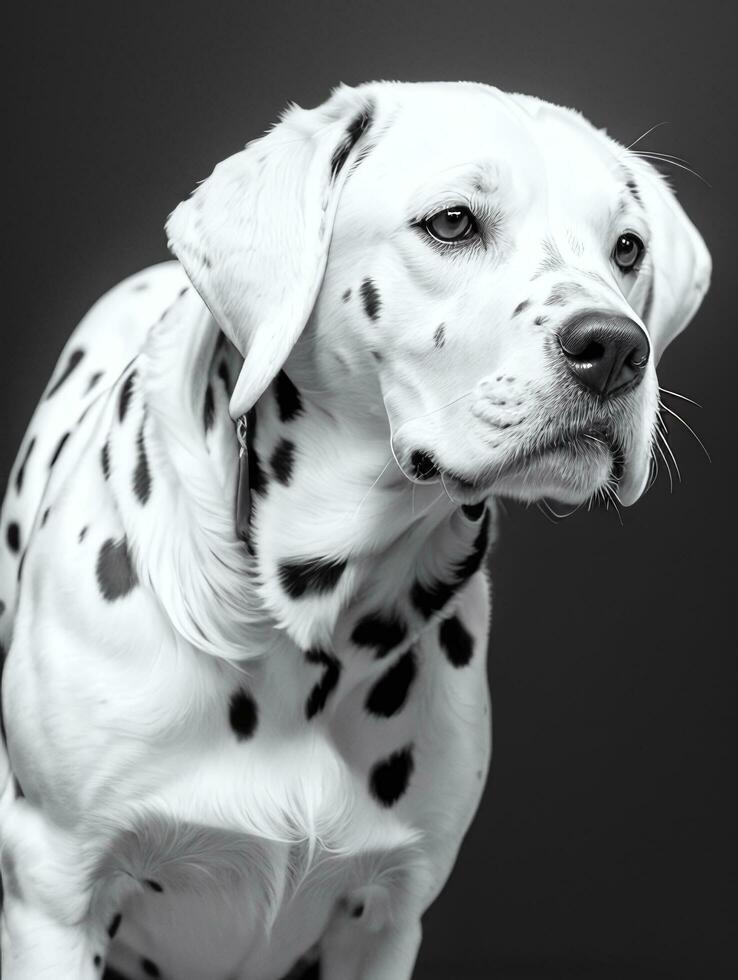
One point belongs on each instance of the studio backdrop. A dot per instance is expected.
(604, 845)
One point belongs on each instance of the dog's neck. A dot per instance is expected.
(346, 550)
(339, 531)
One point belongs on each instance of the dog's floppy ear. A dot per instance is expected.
(253, 238)
(681, 262)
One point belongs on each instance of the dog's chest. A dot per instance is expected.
(345, 796)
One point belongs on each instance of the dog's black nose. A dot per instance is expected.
(607, 354)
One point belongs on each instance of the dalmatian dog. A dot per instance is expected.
(244, 602)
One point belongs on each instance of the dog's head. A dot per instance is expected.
(501, 275)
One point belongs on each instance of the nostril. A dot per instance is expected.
(592, 352)
(638, 358)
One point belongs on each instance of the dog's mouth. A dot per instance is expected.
(570, 465)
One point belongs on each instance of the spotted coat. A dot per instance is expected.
(204, 782)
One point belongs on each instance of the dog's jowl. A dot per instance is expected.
(240, 760)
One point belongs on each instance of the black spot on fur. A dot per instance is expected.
(208, 410)
(521, 306)
(469, 565)
(540, 320)
(473, 511)
(428, 599)
(2, 610)
(142, 474)
(634, 190)
(94, 378)
(82, 534)
(150, 968)
(389, 778)
(97, 960)
(153, 885)
(105, 460)
(19, 794)
(114, 925)
(347, 295)
(389, 694)
(456, 641)
(314, 576)
(283, 460)
(319, 695)
(289, 401)
(45, 516)
(431, 598)
(13, 537)
(257, 477)
(59, 446)
(124, 399)
(22, 468)
(422, 465)
(381, 632)
(74, 358)
(116, 576)
(243, 714)
(225, 376)
(370, 299)
(439, 337)
(358, 125)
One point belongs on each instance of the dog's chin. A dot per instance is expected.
(570, 470)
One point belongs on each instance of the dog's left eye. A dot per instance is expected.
(451, 225)
(628, 250)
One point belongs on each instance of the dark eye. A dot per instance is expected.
(451, 225)
(628, 249)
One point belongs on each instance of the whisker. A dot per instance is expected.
(363, 499)
(653, 464)
(612, 497)
(662, 159)
(443, 484)
(688, 428)
(663, 156)
(666, 464)
(647, 133)
(671, 453)
(683, 397)
(544, 510)
(561, 517)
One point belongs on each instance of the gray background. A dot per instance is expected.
(604, 844)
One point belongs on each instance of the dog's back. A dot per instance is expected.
(106, 340)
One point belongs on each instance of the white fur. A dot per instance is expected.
(117, 712)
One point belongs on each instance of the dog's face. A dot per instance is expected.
(507, 275)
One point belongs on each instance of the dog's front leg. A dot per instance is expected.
(359, 946)
(46, 932)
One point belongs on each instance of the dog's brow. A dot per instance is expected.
(458, 184)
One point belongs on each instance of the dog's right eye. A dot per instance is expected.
(451, 225)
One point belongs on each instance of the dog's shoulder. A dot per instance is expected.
(109, 337)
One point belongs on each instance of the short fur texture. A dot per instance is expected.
(229, 761)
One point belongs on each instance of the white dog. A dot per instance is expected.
(233, 759)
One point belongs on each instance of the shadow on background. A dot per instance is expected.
(603, 847)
